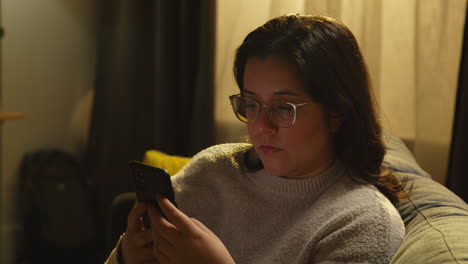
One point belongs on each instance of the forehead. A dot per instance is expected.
(272, 76)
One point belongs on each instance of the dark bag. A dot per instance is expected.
(58, 224)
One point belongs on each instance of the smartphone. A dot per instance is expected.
(150, 181)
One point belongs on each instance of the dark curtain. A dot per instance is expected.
(457, 179)
(153, 90)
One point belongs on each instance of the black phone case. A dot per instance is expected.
(149, 181)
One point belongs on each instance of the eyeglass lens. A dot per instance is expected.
(282, 114)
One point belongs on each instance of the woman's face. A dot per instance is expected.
(306, 148)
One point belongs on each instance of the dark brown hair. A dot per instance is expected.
(328, 59)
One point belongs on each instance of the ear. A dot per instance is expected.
(334, 122)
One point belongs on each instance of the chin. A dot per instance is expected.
(275, 170)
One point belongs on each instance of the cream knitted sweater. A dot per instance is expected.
(264, 219)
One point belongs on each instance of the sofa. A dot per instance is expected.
(436, 220)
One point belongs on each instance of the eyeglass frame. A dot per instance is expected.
(269, 114)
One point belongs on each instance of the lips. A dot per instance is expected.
(269, 149)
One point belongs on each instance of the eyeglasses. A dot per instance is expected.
(282, 114)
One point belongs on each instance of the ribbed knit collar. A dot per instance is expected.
(309, 188)
(298, 188)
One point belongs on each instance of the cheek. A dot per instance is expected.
(299, 141)
(308, 137)
(254, 133)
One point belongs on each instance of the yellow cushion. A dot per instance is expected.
(159, 159)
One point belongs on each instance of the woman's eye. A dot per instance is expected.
(283, 108)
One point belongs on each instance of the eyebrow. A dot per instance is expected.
(278, 93)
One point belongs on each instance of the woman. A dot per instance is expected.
(310, 187)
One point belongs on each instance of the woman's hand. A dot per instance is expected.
(136, 245)
(183, 239)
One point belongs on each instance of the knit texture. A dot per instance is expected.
(261, 218)
(265, 219)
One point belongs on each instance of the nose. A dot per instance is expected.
(263, 123)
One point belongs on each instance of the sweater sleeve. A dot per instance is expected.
(367, 234)
(114, 255)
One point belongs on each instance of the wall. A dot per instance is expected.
(412, 48)
(48, 58)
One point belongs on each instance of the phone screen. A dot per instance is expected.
(149, 181)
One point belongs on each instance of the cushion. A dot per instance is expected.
(436, 219)
(170, 163)
(436, 223)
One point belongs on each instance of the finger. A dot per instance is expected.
(200, 225)
(165, 246)
(140, 239)
(133, 254)
(161, 228)
(134, 217)
(181, 221)
(145, 255)
(161, 256)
